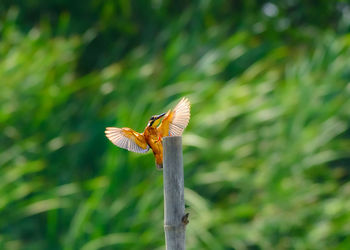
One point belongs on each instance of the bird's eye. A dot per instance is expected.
(152, 118)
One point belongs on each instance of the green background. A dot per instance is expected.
(266, 153)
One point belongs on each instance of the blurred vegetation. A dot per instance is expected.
(266, 153)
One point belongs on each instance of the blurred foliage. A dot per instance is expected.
(112, 28)
(266, 152)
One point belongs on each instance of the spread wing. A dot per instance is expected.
(176, 120)
(128, 139)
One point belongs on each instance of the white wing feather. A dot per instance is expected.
(116, 136)
(181, 118)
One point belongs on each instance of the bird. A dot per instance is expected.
(173, 124)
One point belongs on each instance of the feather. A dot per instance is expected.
(128, 139)
(181, 117)
(176, 120)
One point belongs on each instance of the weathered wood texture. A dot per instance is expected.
(174, 204)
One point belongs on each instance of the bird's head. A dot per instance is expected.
(154, 120)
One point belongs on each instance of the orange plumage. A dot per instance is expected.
(173, 124)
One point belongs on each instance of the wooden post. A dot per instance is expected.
(175, 219)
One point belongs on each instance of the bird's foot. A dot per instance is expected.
(159, 167)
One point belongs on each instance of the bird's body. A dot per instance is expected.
(154, 140)
(173, 124)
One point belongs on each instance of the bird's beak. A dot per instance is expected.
(156, 120)
(160, 116)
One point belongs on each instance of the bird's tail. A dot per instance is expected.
(159, 166)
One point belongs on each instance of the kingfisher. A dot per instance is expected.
(173, 124)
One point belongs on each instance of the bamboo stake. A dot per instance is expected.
(175, 219)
